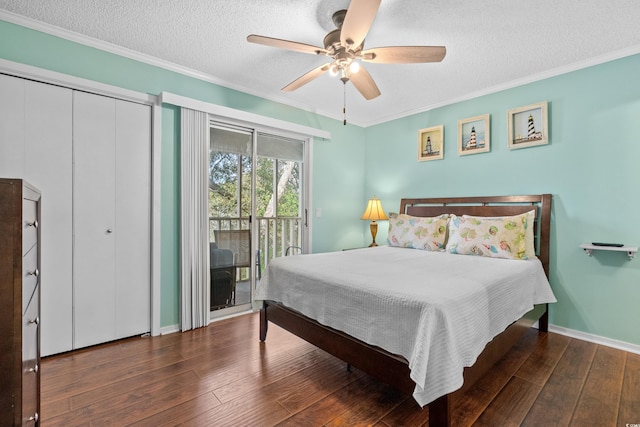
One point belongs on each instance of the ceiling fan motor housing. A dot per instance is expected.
(332, 40)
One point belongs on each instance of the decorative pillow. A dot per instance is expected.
(427, 233)
(498, 237)
(529, 240)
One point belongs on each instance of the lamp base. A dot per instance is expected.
(374, 230)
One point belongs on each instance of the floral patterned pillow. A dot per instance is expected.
(508, 237)
(426, 233)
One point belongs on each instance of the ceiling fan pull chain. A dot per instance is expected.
(344, 103)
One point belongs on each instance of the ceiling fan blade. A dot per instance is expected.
(363, 81)
(404, 54)
(286, 44)
(306, 78)
(357, 22)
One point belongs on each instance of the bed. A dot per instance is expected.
(407, 366)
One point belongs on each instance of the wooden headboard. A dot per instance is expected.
(491, 206)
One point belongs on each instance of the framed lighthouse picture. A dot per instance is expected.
(527, 126)
(431, 143)
(473, 135)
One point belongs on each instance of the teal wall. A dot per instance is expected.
(338, 177)
(590, 167)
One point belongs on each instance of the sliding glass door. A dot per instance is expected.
(280, 210)
(230, 209)
(256, 209)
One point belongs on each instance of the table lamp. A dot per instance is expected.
(372, 213)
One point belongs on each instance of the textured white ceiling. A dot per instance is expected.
(491, 44)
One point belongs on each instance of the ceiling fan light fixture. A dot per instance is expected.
(354, 67)
(334, 70)
(345, 75)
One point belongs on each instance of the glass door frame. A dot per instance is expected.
(305, 196)
(240, 216)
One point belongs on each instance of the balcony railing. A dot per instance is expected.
(277, 236)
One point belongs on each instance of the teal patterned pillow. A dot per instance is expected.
(426, 233)
(508, 237)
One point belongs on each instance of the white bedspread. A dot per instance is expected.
(437, 310)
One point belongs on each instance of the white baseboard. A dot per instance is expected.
(596, 339)
(170, 329)
(176, 328)
(241, 311)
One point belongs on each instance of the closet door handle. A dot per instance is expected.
(34, 369)
(109, 230)
(34, 321)
(33, 224)
(35, 272)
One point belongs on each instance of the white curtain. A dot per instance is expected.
(194, 176)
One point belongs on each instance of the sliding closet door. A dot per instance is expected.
(111, 144)
(132, 214)
(94, 230)
(49, 166)
(35, 144)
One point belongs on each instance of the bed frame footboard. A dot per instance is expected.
(389, 368)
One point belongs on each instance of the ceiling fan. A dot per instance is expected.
(345, 45)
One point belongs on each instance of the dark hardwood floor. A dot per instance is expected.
(223, 376)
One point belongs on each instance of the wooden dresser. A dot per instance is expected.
(19, 303)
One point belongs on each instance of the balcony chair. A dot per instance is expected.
(239, 243)
(223, 276)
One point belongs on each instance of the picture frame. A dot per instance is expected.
(431, 143)
(527, 126)
(474, 135)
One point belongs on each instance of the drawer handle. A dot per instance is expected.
(34, 321)
(33, 224)
(34, 369)
(34, 417)
(35, 272)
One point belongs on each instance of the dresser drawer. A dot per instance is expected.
(30, 275)
(30, 325)
(29, 224)
(30, 414)
(30, 362)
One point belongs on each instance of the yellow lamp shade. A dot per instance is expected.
(374, 211)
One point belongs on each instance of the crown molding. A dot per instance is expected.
(105, 46)
(608, 57)
(170, 66)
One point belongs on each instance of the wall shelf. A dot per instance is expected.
(630, 250)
